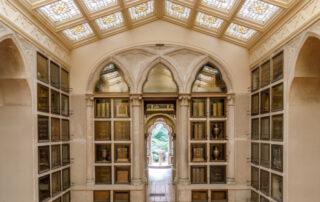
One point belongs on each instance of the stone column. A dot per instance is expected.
(137, 141)
(231, 139)
(90, 149)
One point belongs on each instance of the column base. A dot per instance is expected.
(183, 195)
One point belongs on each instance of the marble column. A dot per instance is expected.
(231, 138)
(90, 149)
(137, 141)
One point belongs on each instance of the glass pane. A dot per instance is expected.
(66, 197)
(160, 80)
(55, 156)
(265, 74)
(55, 74)
(276, 187)
(103, 174)
(44, 188)
(64, 105)
(277, 157)
(277, 97)
(277, 127)
(121, 196)
(198, 131)
(200, 196)
(121, 108)
(198, 108)
(64, 80)
(103, 153)
(56, 183)
(122, 130)
(198, 152)
(265, 101)
(198, 175)
(122, 174)
(217, 107)
(43, 98)
(66, 178)
(43, 157)
(42, 68)
(255, 129)
(65, 154)
(255, 153)
(217, 174)
(209, 79)
(217, 130)
(255, 104)
(219, 196)
(264, 182)
(255, 79)
(254, 196)
(55, 129)
(102, 130)
(265, 128)
(265, 155)
(43, 128)
(55, 102)
(277, 70)
(102, 108)
(217, 152)
(122, 153)
(101, 196)
(111, 80)
(255, 177)
(65, 130)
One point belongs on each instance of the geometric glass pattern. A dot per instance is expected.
(141, 10)
(240, 32)
(177, 11)
(219, 4)
(110, 21)
(208, 21)
(60, 11)
(94, 5)
(79, 32)
(257, 11)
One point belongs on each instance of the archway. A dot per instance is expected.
(303, 130)
(16, 123)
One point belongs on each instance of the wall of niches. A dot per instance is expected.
(267, 140)
(53, 145)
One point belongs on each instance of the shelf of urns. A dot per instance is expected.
(112, 144)
(208, 144)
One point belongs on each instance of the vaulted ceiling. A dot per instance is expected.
(78, 22)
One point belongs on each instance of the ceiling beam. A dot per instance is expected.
(126, 15)
(159, 8)
(193, 14)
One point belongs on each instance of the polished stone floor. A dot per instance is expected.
(160, 188)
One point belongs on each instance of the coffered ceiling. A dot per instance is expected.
(78, 22)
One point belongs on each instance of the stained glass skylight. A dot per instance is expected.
(257, 11)
(60, 11)
(219, 4)
(177, 11)
(142, 10)
(110, 21)
(240, 32)
(208, 21)
(94, 5)
(79, 32)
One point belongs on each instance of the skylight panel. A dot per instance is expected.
(208, 21)
(219, 4)
(110, 21)
(141, 10)
(257, 11)
(241, 32)
(79, 32)
(60, 11)
(94, 5)
(177, 11)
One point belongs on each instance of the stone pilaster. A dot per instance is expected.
(231, 138)
(90, 149)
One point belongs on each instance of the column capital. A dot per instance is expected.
(89, 100)
(230, 99)
(136, 99)
(184, 100)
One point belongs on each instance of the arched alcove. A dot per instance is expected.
(304, 127)
(16, 127)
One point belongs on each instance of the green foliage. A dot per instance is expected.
(159, 141)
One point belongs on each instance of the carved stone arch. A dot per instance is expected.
(144, 73)
(160, 120)
(226, 75)
(95, 74)
(150, 120)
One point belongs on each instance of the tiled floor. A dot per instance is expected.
(160, 188)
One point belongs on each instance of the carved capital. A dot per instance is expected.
(231, 99)
(89, 100)
(184, 100)
(136, 100)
